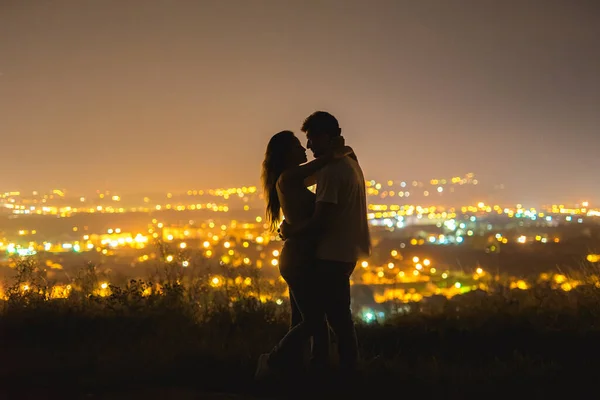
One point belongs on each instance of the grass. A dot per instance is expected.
(186, 339)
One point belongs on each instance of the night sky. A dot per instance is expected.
(172, 95)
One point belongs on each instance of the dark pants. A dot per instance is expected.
(308, 320)
(296, 315)
(321, 297)
(318, 346)
(334, 281)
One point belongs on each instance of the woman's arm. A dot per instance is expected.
(311, 180)
(308, 170)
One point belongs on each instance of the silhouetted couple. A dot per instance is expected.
(324, 235)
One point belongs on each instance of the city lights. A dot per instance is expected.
(203, 231)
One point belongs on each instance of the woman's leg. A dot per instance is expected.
(297, 356)
(321, 343)
(313, 320)
(296, 315)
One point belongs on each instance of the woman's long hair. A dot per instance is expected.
(273, 166)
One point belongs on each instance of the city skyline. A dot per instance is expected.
(441, 191)
(162, 97)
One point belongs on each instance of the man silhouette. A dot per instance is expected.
(340, 221)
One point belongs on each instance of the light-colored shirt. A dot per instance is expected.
(347, 236)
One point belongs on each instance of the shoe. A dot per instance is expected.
(263, 371)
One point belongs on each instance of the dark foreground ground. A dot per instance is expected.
(539, 345)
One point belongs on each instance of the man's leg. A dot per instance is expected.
(336, 281)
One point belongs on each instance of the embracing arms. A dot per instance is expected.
(328, 190)
(317, 222)
(307, 171)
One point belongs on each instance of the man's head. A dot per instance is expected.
(320, 128)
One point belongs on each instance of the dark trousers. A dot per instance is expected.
(334, 281)
(318, 345)
(307, 321)
(321, 297)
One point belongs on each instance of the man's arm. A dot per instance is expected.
(320, 219)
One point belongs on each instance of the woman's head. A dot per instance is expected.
(283, 151)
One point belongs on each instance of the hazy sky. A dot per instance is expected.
(149, 94)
